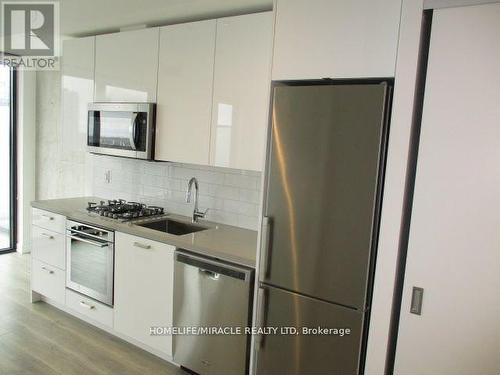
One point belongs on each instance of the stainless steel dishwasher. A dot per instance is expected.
(211, 293)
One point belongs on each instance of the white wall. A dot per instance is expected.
(59, 174)
(26, 143)
(5, 150)
(394, 187)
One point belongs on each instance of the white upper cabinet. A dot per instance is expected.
(185, 82)
(77, 76)
(126, 66)
(241, 91)
(337, 39)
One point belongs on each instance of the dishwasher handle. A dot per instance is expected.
(214, 268)
(210, 274)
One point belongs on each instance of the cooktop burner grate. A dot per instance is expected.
(122, 210)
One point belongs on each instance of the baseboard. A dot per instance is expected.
(22, 249)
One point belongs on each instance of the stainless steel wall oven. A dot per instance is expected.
(90, 261)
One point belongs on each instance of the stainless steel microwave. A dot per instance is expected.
(121, 129)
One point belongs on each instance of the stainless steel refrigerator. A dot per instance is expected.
(324, 177)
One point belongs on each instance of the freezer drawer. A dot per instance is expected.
(210, 293)
(324, 172)
(306, 354)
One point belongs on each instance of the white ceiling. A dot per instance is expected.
(89, 17)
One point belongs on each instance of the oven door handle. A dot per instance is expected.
(75, 231)
(94, 243)
(133, 131)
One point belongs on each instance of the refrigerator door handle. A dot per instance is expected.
(261, 316)
(265, 247)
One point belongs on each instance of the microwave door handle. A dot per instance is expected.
(132, 131)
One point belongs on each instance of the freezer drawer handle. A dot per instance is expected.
(261, 316)
(48, 217)
(417, 296)
(210, 274)
(265, 248)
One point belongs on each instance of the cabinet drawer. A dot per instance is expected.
(49, 247)
(48, 280)
(90, 308)
(49, 220)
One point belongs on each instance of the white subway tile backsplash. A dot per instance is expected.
(211, 202)
(232, 196)
(241, 181)
(153, 192)
(156, 169)
(173, 184)
(177, 196)
(240, 207)
(249, 195)
(153, 180)
(223, 191)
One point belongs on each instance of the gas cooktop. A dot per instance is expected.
(122, 210)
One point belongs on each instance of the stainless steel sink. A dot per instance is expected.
(174, 227)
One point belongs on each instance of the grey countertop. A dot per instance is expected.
(220, 241)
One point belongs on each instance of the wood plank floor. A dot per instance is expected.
(40, 339)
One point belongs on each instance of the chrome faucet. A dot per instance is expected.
(196, 214)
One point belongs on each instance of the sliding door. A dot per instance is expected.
(7, 158)
(454, 239)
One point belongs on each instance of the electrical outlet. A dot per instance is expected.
(107, 176)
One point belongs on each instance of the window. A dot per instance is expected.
(7, 158)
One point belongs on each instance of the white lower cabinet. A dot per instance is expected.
(143, 286)
(143, 290)
(48, 281)
(48, 275)
(49, 247)
(90, 308)
(48, 220)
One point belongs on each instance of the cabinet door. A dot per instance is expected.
(126, 66)
(77, 76)
(185, 82)
(337, 39)
(241, 91)
(143, 289)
